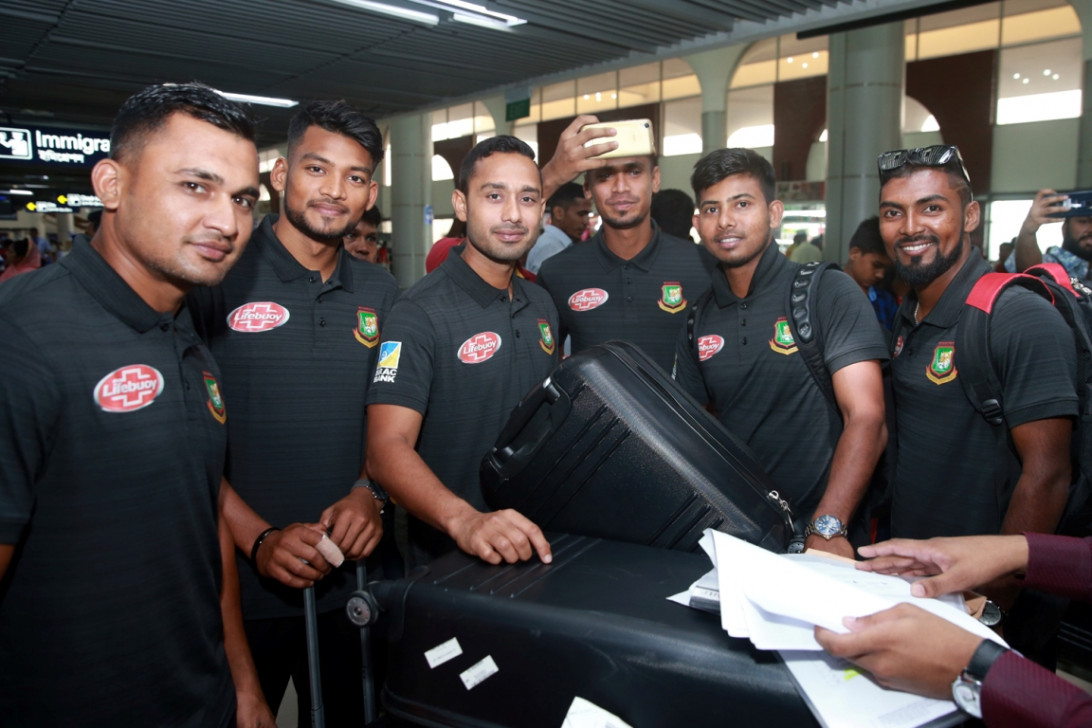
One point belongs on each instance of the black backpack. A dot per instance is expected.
(1073, 300)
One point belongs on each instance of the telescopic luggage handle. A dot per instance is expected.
(534, 419)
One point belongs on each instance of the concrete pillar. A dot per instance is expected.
(865, 89)
(498, 110)
(714, 69)
(1084, 143)
(411, 193)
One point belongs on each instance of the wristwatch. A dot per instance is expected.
(827, 526)
(967, 688)
(992, 614)
(376, 490)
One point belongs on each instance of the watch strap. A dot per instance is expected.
(983, 658)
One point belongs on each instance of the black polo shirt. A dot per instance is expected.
(111, 451)
(463, 354)
(951, 476)
(600, 297)
(749, 369)
(297, 354)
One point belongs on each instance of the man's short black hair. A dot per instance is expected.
(372, 216)
(340, 118)
(564, 196)
(724, 163)
(147, 110)
(503, 144)
(867, 238)
(673, 211)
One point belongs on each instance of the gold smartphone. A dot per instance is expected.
(634, 137)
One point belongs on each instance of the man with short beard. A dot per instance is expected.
(631, 280)
(295, 327)
(955, 474)
(1075, 251)
(461, 348)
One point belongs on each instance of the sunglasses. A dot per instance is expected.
(938, 155)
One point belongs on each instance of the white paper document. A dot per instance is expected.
(775, 600)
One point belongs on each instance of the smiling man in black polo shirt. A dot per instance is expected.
(631, 280)
(295, 328)
(459, 351)
(119, 591)
(744, 362)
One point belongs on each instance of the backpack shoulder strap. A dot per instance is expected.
(805, 325)
(972, 341)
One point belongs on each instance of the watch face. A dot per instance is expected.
(991, 614)
(827, 526)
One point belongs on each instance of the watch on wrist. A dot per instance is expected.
(827, 526)
(967, 687)
(992, 614)
(376, 490)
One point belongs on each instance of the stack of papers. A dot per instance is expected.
(775, 601)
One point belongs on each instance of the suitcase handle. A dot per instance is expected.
(539, 414)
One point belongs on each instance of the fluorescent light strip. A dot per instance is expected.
(20, 192)
(262, 100)
(394, 11)
(508, 20)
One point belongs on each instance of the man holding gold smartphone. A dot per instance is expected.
(630, 281)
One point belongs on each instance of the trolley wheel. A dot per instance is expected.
(362, 608)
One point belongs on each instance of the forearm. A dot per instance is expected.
(243, 672)
(855, 456)
(1037, 503)
(397, 466)
(243, 522)
(1026, 250)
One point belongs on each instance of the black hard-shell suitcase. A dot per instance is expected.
(595, 624)
(610, 446)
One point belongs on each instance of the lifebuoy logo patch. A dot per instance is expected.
(709, 346)
(587, 299)
(782, 341)
(942, 368)
(479, 347)
(129, 388)
(257, 316)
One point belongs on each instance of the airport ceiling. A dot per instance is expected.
(72, 62)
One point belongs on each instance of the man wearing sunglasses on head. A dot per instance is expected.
(955, 473)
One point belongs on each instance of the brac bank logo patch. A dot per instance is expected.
(708, 346)
(479, 347)
(128, 388)
(587, 299)
(386, 369)
(257, 316)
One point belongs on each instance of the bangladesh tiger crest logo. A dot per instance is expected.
(782, 341)
(367, 326)
(215, 402)
(546, 340)
(942, 368)
(671, 297)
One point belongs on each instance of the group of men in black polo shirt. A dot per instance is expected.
(306, 338)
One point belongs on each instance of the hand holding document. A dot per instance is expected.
(775, 600)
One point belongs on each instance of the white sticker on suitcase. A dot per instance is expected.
(477, 673)
(440, 654)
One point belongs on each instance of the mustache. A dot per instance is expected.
(327, 201)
